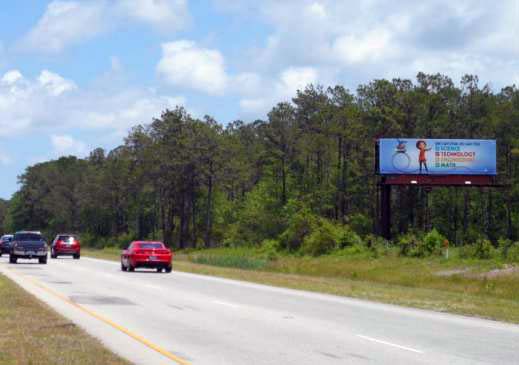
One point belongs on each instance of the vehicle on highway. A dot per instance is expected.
(65, 244)
(5, 244)
(28, 245)
(147, 254)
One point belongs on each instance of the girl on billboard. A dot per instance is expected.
(422, 159)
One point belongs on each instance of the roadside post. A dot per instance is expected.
(446, 245)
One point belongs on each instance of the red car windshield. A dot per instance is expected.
(148, 246)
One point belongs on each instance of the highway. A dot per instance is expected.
(182, 318)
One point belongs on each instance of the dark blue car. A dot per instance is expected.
(28, 245)
(5, 243)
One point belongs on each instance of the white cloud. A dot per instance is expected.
(51, 102)
(316, 9)
(69, 22)
(283, 88)
(247, 83)
(254, 106)
(296, 78)
(369, 47)
(357, 41)
(64, 23)
(54, 83)
(12, 77)
(66, 145)
(122, 111)
(185, 64)
(166, 14)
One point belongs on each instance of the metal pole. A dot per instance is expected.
(385, 203)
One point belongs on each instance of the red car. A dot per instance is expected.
(147, 254)
(65, 245)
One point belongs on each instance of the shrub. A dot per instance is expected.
(322, 240)
(483, 249)
(346, 237)
(356, 250)
(472, 235)
(300, 225)
(466, 252)
(360, 224)
(407, 244)
(414, 246)
(431, 244)
(269, 249)
(504, 246)
(512, 254)
(378, 246)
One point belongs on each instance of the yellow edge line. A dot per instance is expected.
(124, 330)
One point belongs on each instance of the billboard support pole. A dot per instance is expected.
(385, 210)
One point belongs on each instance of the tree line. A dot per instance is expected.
(197, 183)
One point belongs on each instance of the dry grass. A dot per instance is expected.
(33, 334)
(407, 282)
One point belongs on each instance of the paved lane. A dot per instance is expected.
(182, 318)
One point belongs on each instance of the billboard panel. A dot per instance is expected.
(437, 156)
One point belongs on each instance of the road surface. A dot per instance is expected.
(182, 318)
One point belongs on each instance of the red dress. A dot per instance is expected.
(422, 158)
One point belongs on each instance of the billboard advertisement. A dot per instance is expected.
(437, 156)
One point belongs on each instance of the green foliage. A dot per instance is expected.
(407, 245)
(327, 237)
(300, 225)
(237, 260)
(347, 237)
(432, 243)
(483, 249)
(513, 253)
(254, 220)
(270, 249)
(322, 239)
(428, 245)
(360, 224)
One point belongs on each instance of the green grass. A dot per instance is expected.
(33, 334)
(390, 279)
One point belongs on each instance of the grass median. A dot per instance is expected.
(481, 288)
(33, 334)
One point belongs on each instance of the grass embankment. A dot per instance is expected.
(456, 285)
(33, 334)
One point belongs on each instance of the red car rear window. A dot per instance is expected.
(150, 245)
(66, 238)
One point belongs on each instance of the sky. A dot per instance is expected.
(78, 74)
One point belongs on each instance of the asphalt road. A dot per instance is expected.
(182, 318)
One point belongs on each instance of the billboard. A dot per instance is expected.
(437, 156)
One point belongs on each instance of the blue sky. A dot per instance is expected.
(75, 75)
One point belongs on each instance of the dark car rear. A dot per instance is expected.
(28, 245)
(5, 243)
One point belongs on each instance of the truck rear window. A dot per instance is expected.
(28, 237)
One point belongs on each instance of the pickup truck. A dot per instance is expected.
(28, 245)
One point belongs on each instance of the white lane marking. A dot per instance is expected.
(225, 303)
(390, 344)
